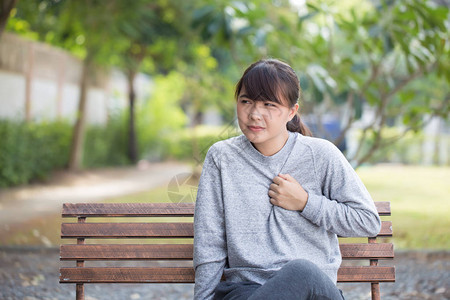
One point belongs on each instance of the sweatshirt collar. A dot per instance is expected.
(276, 158)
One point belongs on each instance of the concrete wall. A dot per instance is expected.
(40, 82)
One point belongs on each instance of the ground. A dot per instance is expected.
(32, 272)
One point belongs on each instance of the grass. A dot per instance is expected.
(419, 199)
(420, 203)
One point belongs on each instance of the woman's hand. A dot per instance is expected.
(287, 193)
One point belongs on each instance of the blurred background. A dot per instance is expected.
(120, 100)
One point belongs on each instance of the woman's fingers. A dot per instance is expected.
(287, 193)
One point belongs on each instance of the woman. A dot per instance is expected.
(272, 201)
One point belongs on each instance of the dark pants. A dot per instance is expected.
(299, 279)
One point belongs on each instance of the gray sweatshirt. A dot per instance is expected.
(240, 234)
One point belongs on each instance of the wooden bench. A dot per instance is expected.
(170, 231)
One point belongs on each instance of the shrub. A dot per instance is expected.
(31, 150)
(193, 144)
(106, 145)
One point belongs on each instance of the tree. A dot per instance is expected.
(357, 56)
(89, 29)
(383, 50)
(6, 7)
(147, 29)
(97, 24)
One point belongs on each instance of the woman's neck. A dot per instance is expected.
(272, 146)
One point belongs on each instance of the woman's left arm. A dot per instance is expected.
(345, 207)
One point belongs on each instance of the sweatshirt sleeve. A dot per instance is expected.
(209, 232)
(345, 206)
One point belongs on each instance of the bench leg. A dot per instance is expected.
(375, 291)
(80, 263)
(80, 291)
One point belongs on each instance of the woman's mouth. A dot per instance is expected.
(255, 128)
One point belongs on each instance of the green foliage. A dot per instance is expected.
(391, 55)
(31, 150)
(405, 150)
(160, 115)
(193, 143)
(106, 145)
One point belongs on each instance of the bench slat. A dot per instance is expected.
(366, 274)
(128, 210)
(127, 230)
(127, 275)
(185, 251)
(186, 275)
(367, 251)
(386, 229)
(152, 209)
(147, 230)
(383, 208)
(127, 252)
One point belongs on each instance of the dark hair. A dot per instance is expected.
(273, 80)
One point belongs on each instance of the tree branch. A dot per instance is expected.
(350, 119)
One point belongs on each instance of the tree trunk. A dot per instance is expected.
(197, 118)
(5, 9)
(76, 152)
(132, 141)
(29, 81)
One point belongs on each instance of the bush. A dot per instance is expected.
(160, 115)
(32, 150)
(106, 145)
(193, 144)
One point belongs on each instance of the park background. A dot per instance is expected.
(95, 95)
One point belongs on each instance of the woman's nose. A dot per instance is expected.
(254, 113)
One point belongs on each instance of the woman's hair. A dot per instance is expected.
(273, 80)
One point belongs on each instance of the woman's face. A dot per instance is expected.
(264, 122)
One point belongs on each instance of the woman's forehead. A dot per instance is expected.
(261, 95)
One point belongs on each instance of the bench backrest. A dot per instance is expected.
(170, 239)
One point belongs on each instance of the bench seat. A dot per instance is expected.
(171, 242)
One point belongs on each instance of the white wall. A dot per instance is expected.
(55, 78)
(12, 95)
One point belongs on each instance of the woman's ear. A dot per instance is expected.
(293, 111)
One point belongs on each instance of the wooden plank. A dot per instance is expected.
(186, 275)
(367, 251)
(152, 209)
(386, 228)
(126, 252)
(383, 208)
(148, 230)
(127, 275)
(128, 209)
(184, 252)
(127, 230)
(366, 274)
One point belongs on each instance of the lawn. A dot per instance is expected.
(419, 199)
(420, 203)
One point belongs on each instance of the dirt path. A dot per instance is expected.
(33, 274)
(18, 205)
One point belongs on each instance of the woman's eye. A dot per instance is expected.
(269, 104)
(245, 101)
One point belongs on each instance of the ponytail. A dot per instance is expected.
(296, 125)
